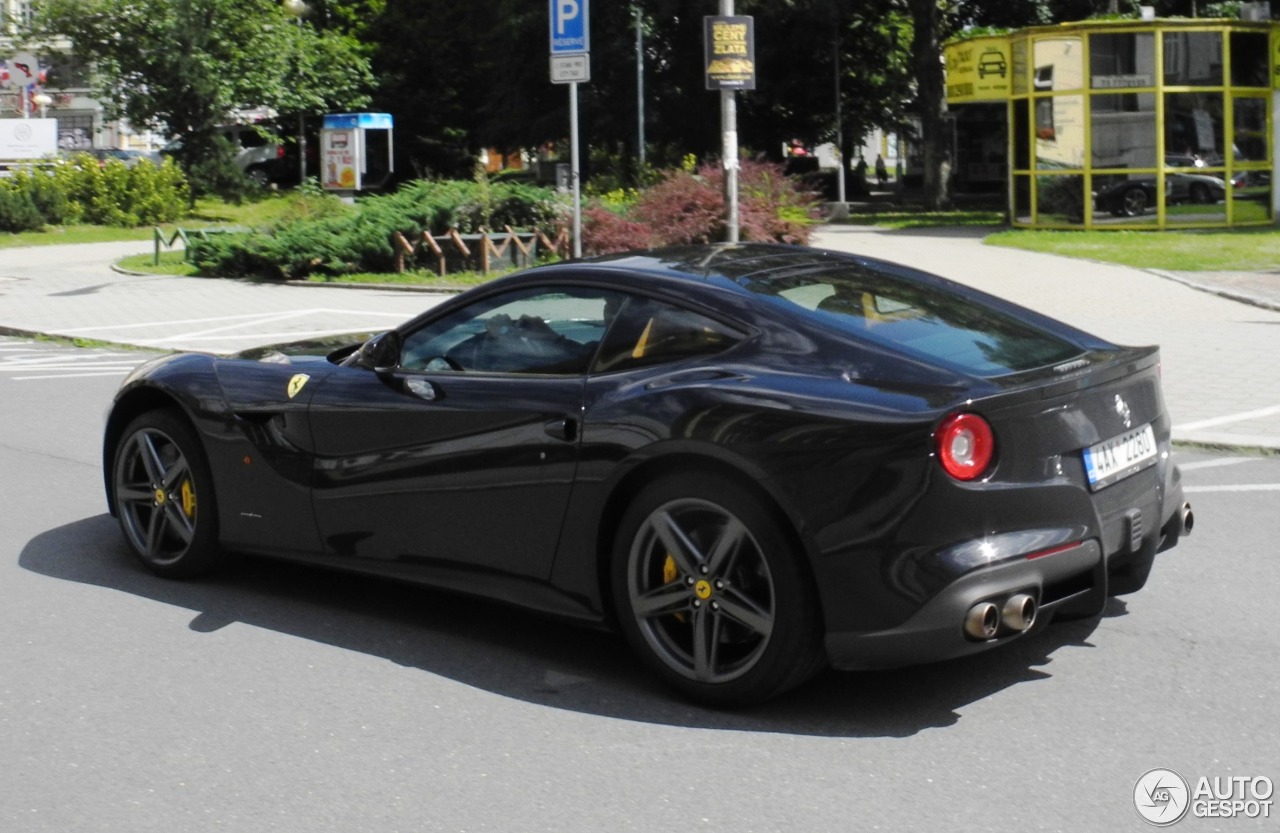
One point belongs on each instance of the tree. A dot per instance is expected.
(182, 66)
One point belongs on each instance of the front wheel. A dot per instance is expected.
(163, 496)
(711, 593)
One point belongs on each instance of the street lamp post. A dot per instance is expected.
(298, 9)
(42, 100)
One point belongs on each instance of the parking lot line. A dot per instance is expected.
(1224, 420)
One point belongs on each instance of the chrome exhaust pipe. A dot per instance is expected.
(982, 621)
(1019, 612)
(1188, 519)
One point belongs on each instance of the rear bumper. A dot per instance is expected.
(1071, 578)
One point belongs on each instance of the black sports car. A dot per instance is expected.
(753, 460)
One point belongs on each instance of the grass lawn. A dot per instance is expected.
(1236, 250)
(905, 218)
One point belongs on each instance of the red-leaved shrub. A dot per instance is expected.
(682, 208)
(604, 232)
(689, 208)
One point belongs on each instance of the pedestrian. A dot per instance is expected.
(882, 172)
(860, 176)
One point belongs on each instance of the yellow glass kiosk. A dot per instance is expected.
(1131, 123)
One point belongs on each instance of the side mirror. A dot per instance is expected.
(381, 354)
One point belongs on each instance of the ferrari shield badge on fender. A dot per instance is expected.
(297, 383)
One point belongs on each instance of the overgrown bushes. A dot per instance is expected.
(80, 190)
(325, 236)
(687, 206)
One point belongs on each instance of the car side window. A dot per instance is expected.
(648, 332)
(538, 331)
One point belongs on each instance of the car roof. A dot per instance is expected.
(727, 265)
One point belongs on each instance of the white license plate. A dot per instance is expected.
(1119, 457)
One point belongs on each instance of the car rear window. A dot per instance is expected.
(918, 318)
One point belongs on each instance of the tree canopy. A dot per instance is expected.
(183, 66)
(458, 77)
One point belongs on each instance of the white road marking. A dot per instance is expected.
(248, 319)
(69, 376)
(296, 335)
(51, 360)
(1224, 420)
(1251, 487)
(85, 366)
(1212, 464)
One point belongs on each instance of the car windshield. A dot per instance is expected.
(917, 318)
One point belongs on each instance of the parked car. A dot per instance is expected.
(128, 157)
(753, 460)
(260, 157)
(1135, 197)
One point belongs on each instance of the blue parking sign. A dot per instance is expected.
(570, 32)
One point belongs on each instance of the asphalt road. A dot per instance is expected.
(278, 698)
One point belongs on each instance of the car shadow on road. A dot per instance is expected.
(519, 655)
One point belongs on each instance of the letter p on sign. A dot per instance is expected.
(567, 11)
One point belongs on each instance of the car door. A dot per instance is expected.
(464, 453)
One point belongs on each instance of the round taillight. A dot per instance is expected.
(966, 446)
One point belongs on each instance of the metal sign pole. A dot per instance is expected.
(574, 172)
(729, 125)
(570, 64)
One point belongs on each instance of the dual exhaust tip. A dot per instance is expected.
(984, 620)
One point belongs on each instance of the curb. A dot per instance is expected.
(1229, 294)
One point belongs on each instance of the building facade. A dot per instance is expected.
(1122, 124)
(51, 69)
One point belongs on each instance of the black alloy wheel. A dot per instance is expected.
(163, 496)
(712, 595)
(1134, 202)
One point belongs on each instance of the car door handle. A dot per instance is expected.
(562, 429)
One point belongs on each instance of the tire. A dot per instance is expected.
(1198, 193)
(1134, 202)
(258, 176)
(711, 594)
(163, 496)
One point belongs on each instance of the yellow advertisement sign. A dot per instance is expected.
(978, 70)
(730, 46)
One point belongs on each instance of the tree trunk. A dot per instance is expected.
(926, 56)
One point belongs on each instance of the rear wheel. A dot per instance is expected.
(712, 595)
(163, 495)
(1134, 202)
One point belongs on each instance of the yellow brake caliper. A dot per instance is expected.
(670, 573)
(188, 499)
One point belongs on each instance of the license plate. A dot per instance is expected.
(1119, 457)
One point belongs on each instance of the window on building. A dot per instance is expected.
(1124, 130)
(1193, 59)
(1249, 59)
(1120, 61)
(1193, 127)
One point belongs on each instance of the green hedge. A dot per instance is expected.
(322, 235)
(80, 190)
